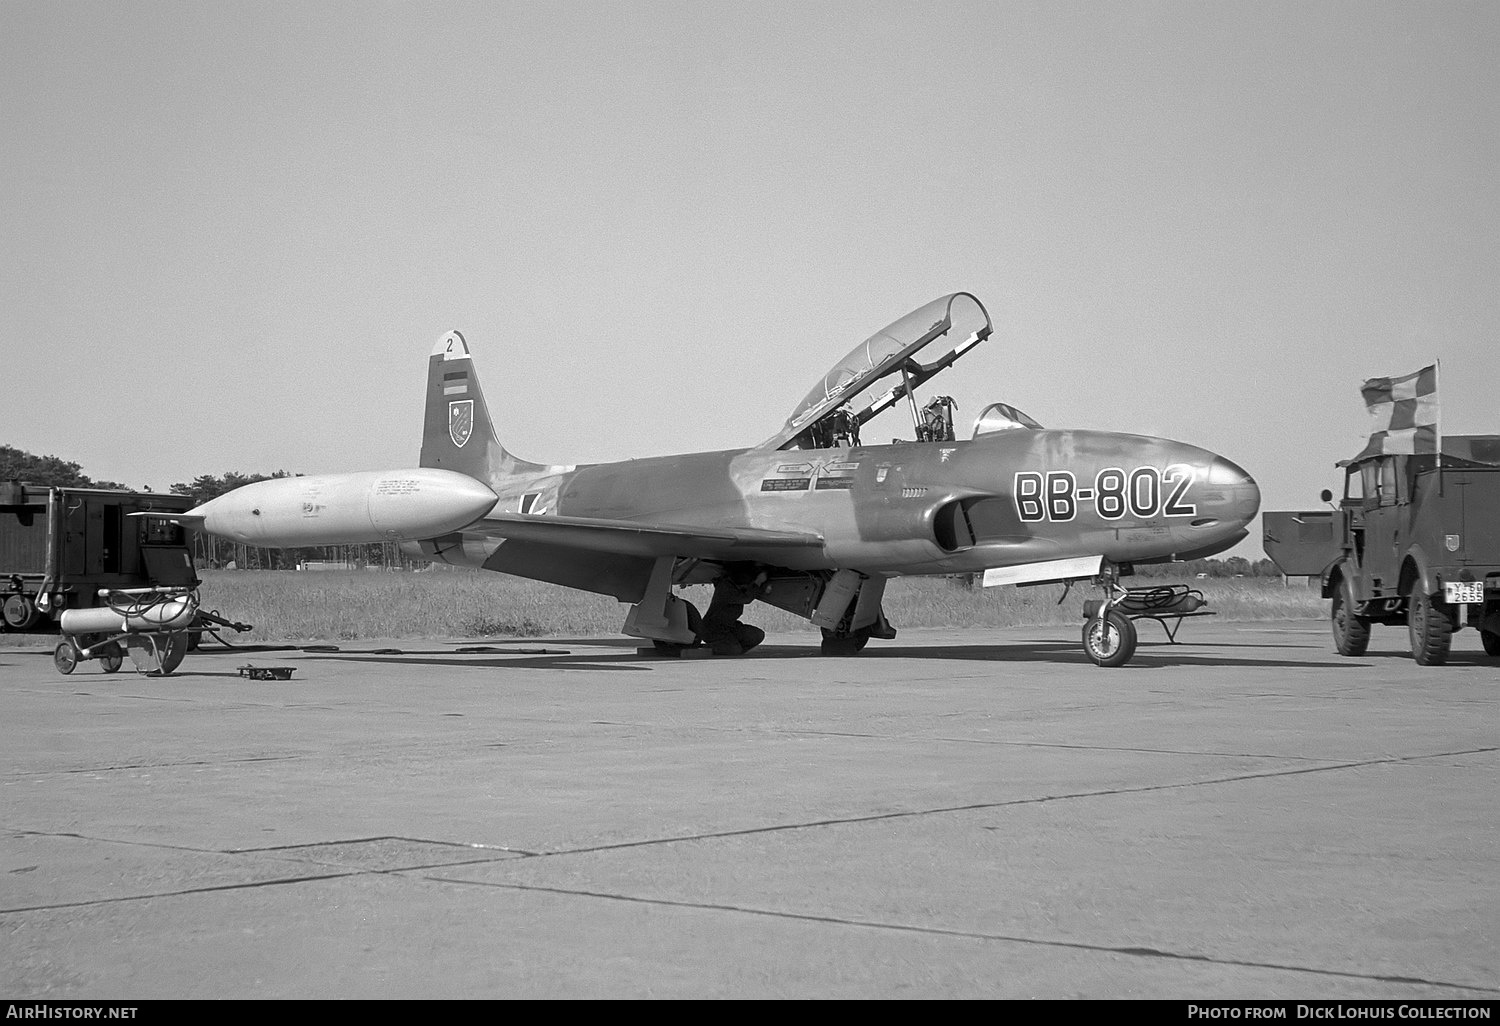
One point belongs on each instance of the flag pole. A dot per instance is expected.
(1437, 384)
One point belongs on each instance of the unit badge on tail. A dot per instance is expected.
(460, 421)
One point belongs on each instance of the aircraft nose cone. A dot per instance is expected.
(1241, 495)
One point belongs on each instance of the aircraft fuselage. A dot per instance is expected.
(929, 508)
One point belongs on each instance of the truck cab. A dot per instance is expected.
(1415, 540)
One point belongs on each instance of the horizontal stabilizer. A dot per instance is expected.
(1045, 572)
(631, 538)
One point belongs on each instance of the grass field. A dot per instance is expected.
(349, 605)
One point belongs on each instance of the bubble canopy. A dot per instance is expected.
(884, 367)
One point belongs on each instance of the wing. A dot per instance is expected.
(635, 538)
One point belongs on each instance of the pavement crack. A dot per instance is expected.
(176, 765)
(1011, 803)
(979, 935)
(209, 889)
(283, 881)
(157, 845)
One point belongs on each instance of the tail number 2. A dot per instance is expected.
(1143, 493)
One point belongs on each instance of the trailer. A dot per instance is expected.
(68, 550)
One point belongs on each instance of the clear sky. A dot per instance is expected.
(231, 232)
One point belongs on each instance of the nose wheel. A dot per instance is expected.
(1109, 640)
(1109, 636)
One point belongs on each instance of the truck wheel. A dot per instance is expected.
(1429, 627)
(1491, 642)
(111, 657)
(1109, 642)
(65, 657)
(1351, 634)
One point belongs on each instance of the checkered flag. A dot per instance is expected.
(1405, 411)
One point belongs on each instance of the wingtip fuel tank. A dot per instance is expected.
(346, 509)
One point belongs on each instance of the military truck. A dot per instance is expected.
(1415, 540)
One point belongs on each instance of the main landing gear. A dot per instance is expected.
(845, 606)
(722, 630)
(673, 625)
(835, 644)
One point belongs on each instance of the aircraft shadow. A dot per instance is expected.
(560, 661)
(621, 654)
(1015, 652)
(1060, 652)
(1454, 658)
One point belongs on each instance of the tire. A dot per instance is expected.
(20, 612)
(65, 657)
(694, 623)
(1110, 642)
(1491, 642)
(749, 635)
(1429, 628)
(844, 644)
(1351, 634)
(172, 652)
(111, 658)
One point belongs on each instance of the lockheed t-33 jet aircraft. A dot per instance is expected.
(813, 520)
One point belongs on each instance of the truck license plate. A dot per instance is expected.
(1455, 592)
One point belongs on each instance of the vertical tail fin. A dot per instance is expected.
(457, 433)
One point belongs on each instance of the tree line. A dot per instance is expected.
(53, 471)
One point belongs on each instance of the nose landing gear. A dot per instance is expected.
(1109, 636)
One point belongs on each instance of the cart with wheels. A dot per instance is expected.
(151, 624)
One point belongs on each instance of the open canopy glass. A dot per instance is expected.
(884, 368)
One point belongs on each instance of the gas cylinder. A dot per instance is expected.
(167, 614)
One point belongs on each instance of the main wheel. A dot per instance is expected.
(844, 644)
(749, 635)
(65, 657)
(1351, 634)
(111, 657)
(695, 624)
(1491, 642)
(1111, 641)
(1430, 629)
